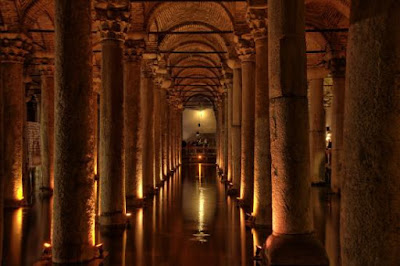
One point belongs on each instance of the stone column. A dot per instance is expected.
(112, 27)
(219, 133)
(74, 200)
(225, 139)
(236, 124)
(292, 241)
(157, 136)
(164, 132)
(171, 136)
(147, 108)
(169, 152)
(13, 49)
(370, 194)
(47, 126)
(1, 166)
(141, 124)
(262, 205)
(133, 183)
(179, 136)
(317, 129)
(247, 58)
(176, 138)
(228, 84)
(338, 67)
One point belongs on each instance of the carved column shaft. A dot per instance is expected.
(338, 67)
(262, 209)
(317, 130)
(112, 28)
(13, 49)
(247, 125)
(236, 126)
(225, 139)
(74, 199)
(157, 137)
(147, 132)
(133, 182)
(164, 130)
(47, 127)
(291, 210)
(370, 194)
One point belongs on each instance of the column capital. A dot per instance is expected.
(175, 100)
(45, 64)
(14, 47)
(134, 50)
(233, 63)
(112, 17)
(245, 50)
(337, 67)
(257, 20)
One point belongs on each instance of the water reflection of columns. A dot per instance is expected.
(115, 244)
(332, 232)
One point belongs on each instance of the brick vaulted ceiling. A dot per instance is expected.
(203, 84)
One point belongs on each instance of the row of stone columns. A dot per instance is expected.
(134, 138)
(280, 103)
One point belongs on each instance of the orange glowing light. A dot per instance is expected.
(200, 157)
(128, 214)
(20, 193)
(99, 245)
(47, 245)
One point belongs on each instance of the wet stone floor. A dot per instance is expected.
(190, 221)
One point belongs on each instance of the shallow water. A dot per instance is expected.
(190, 222)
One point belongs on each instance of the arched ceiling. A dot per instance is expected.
(196, 63)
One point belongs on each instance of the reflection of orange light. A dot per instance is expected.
(128, 214)
(19, 218)
(99, 245)
(200, 171)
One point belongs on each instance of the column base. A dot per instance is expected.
(91, 256)
(13, 203)
(113, 220)
(133, 202)
(295, 250)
